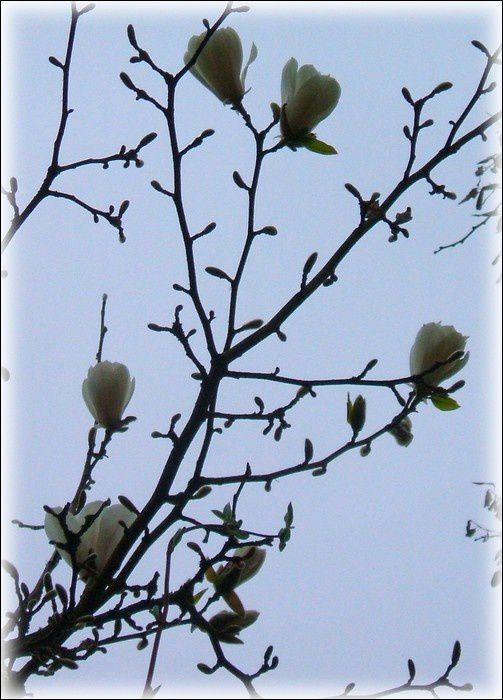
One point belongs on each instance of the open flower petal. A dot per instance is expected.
(436, 343)
(307, 98)
(99, 538)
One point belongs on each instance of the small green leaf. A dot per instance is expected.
(240, 535)
(197, 596)
(276, 111)
(444, 403)
(316, 146)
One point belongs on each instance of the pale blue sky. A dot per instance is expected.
(378, 569)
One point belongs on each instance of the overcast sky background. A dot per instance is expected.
(378, 569)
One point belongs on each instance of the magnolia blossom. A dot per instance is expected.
(227, 625)
(107, 391)
(218, 66)
(97, 541)
(237, 572)
(436, 343)
(307, 97)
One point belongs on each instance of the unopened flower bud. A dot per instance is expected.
(356, 413)
(107, 391)
(218, 66)
(402, 432)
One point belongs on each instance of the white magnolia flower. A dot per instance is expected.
(248, 562)
(251, 560)
(98, 541)
(218, 66)
(307, 97)
(107, 391)
(436, 343)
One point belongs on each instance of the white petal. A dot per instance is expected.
(436, 343)
(251, 58)
(111, 531)
(55, 533)
(86, 393)
(129, 393)
(288, 79)
(303, 75)
(313, 102)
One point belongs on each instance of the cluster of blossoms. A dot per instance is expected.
(430, 362)
(437, 354)
(86, 540)
(245, 563)
(307, 96)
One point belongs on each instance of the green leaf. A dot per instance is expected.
(316, 146)
(251, 58)
(276, 111)
(197, 596)
(444, 403)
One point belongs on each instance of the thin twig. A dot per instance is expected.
(148, 691)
